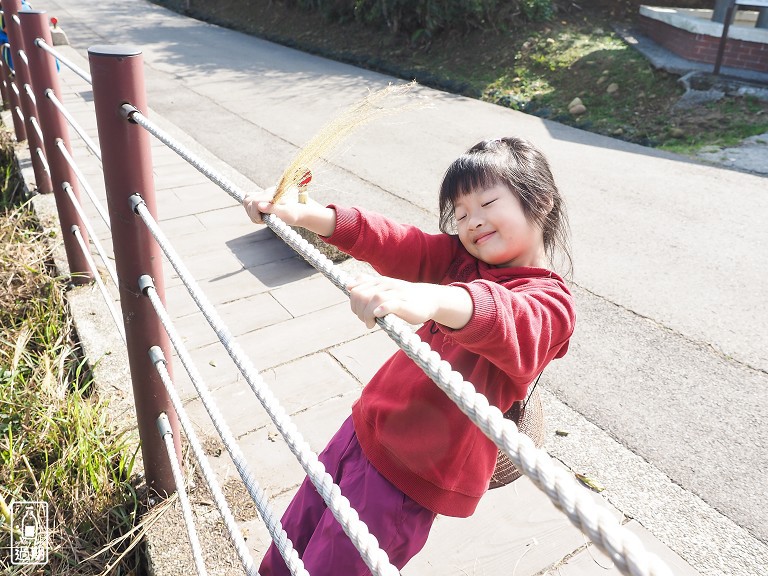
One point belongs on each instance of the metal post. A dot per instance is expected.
(118, 78)
(54, 126)
(28, 107)
(721, 6)
(13, 99)
(4, 81)
(762, 18)
(724, 38)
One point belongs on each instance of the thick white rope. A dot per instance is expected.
(258, 495)
(40, 43)
(134, 115)
(374, 557)
(43, 160)
(118, 319)
(158, 359)
(82, 179)
(91, 233)
(626, 550)
(92, 146)
(166, 433)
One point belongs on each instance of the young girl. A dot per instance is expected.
(489, 306)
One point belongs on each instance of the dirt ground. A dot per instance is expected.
(464, 62)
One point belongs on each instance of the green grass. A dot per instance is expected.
(57, 443)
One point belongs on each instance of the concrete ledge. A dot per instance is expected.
(698, 21)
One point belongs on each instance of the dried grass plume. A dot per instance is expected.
(338, 129)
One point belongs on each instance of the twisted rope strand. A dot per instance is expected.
(40, 43)
(627, 551)
(91, 233)
(257, 494)
(92, 146)
(235, 535)
(166, 432)
(625, 548)
(116, 317)
(374, 557)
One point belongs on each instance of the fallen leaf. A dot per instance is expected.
(590, 483)
(561, 432)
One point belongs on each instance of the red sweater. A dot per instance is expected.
(408, 428)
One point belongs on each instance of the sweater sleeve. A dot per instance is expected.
(520, 327)
(393, 249)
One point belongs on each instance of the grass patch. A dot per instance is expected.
(57, 444)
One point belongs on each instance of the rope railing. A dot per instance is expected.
(166, 433)
(249, 566)
(56, 138)
(257, 494)
(43, 45)
(374, 557)
(91, 233)
(43, 160)
(92, 146)
(574, 500)
(37, 128)
(84, 183)
(624, 547)
(134, 115)
(100, 283)
(30, 93)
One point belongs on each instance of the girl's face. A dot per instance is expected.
(493, 228)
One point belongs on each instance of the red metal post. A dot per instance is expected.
(54, 126)
(28, 108)
(13, 99)
(4, 81)
(118, 78)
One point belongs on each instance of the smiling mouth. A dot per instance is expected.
(482, 238)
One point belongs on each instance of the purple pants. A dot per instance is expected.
(400, 525)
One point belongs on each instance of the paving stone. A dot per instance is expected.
(276, 467)
(307, 334)
(364, 356)
(297, 386)
(312, 294)
(515, 530)
(242, 316)
(592, 560)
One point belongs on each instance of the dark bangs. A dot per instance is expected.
(474, 170)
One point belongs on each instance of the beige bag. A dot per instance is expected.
(530, 421)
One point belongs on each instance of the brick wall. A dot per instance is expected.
(703, 48)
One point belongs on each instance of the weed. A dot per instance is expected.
(57, 444)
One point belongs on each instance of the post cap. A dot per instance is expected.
(115, 50)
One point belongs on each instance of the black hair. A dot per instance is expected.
(519, 165)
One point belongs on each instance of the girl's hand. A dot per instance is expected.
(375, 297)
(288, 209)
(312, 216)
(414, 302)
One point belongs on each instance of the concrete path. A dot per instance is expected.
(662, 391)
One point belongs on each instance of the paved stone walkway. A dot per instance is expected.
(315, 355)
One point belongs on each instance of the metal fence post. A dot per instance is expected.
(13, 99)
(54, 126)
(28, 108)
(118, 78)
(4, 82)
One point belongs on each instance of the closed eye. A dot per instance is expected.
(489, 202)
(460, 218)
